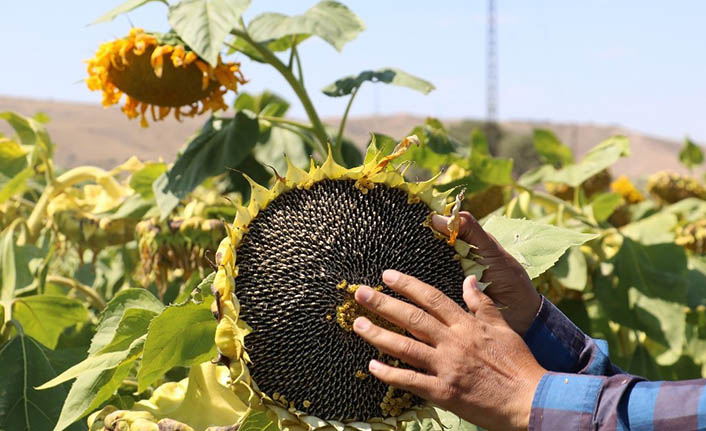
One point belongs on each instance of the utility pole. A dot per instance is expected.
(492, 130)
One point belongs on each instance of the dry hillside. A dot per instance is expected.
(89, 134)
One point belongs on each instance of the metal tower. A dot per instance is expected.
(491, 91)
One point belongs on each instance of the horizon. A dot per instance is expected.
(557, 64)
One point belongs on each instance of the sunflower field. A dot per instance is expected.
(215, 293)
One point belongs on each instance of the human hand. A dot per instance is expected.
(475, 366)
(510, 286)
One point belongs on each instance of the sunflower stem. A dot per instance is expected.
(68, 179)
(317, 126)
(290, 63)
(281, 120)
(338, 146)
(299, 66)
(95, 299)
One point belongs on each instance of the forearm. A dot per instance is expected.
(620, 402)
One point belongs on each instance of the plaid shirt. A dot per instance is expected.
(584, 391)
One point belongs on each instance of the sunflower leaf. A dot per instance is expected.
(24, 364)
(221, 144)
(181, 336)
(599, 158)
(45, 317)
(550, 149)
(329, 20)
(126, 7)
(388, 75)
(691, 154)
(205, 24)
(536, 246)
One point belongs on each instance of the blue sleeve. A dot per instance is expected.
(616, 403)
(560, 346)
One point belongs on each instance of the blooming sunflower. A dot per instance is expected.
(284, 289)
(159, 73)
(287, 272)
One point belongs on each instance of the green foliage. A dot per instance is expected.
(126, 7)
(65, 353)
(222, 144)
(331, 21)
(537, 246)
(205, 24)
(182, 335)
(551, 150)
(691, 154)
(388, 75)
(25, 364)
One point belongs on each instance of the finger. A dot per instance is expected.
(407, 316)
(411, 351)
(479, 303)
(470, 231)
(420, 384)
(434, 301)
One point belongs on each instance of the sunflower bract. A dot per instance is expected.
(291, 261)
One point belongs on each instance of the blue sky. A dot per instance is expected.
(640, 64)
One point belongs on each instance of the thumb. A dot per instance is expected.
(479, 303)
(470, 231)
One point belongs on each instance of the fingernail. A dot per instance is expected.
(390, 276)
(438, 221)
(471, 281)
(361, 324)
(363, 294)
(374, 365)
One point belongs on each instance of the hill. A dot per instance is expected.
(89, 134)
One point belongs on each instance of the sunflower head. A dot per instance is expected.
(159, 73)
(288, 269)
(627, 190)
(670, 187)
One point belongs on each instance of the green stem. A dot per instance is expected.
(339, 138)
(76, 175)
(317, 126)
(299, 65)
(280, 120)
(93, 296)
(555, 202)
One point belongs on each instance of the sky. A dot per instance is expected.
(635, 63)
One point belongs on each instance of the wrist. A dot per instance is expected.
(530, 383)
(531, 311)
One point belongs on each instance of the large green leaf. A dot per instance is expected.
(45, 317)
(132, 326)
(550, 149)
(183, 335)
(655, 229)
(15, 265)
(277, 145)
(13, 158)
(115, 309)
(604, 205)
(205, 24)
(329, 20)
(98, 362)
(31, 133)
(691, 154)
(221, 144)
(571, 269)
(265, 103)
(16, 185)
(653, 284)
(141, 181)
(25, 364)
(258, 421)
(596, 160)
(536, 246)
(387, 75)
(126, 7)
(90, 391)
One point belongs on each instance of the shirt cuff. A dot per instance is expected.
(554, 340)
(565, 401)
